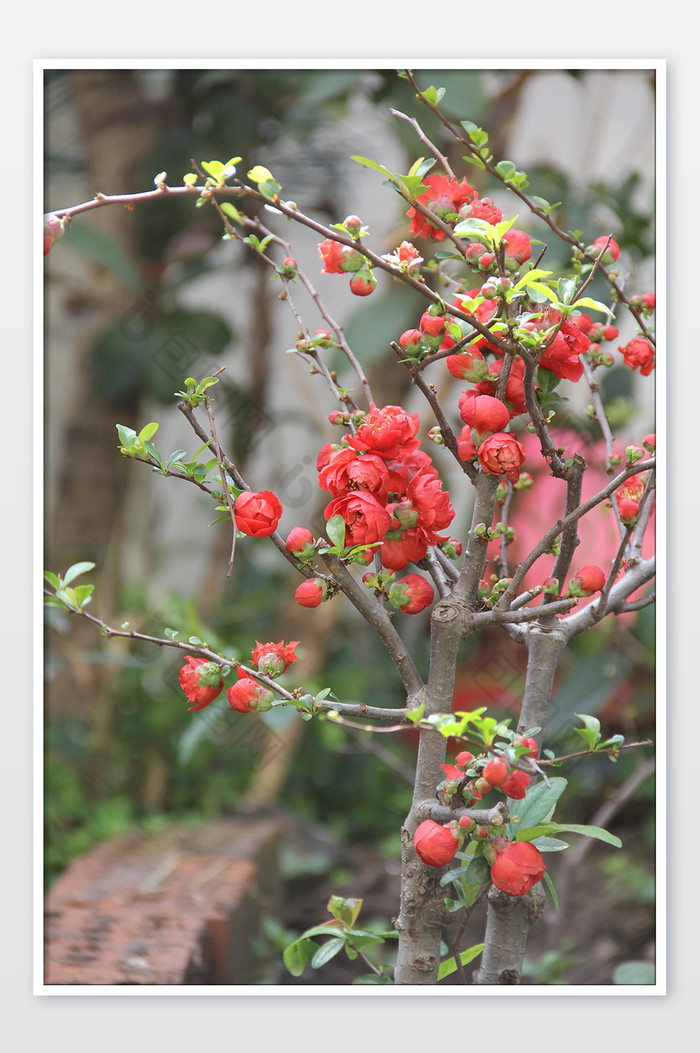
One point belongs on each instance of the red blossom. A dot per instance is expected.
(201, 680)
(502, 454)
(435, 845)
(590, 579)
(515, 785)
(349, 470)
(273, 658)
(444, 197)
(257, 514)
(639, 354)
(518, 247)
(517, 867)
(389, 432)
(366, 520)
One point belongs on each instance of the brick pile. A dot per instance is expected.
(179, 907)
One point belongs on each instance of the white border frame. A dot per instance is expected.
(660, 987)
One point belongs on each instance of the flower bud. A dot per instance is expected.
(589, 579)
(300, 542)
(518, 866)
(411, 594)
(363, 282)
(463, 759)
(435, 845)
(201, 680)
(649, 442)
(411, 339)
(432, 324)
(311, 593)
(496, 771)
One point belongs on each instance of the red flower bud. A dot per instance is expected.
(300, 542)
(612, 252)
(484, 413)
(628, 509)
(496, 771)
(517, 867)
(435, 845)
(416, 590)
(410, 339)
(590, 579)
(463, 758)
(363, 283)
(649, 442)
(611, 332)
(311, 593)
(201, 681)
(432, 324)
(257, 514)
(247, 694)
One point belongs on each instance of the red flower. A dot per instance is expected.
(639, 353)
(311, 593)
(502, 454)
(338, 258)
(257, 514)
(388, 431)
(436, 845)
(628, 509)
(431, 502)
(432, 324)
(496, 771)
(518, 247)
(515, 785)
(415, 590)
(246, 695)
(517, 867)
(444, 197)
(366, 520)
(484, 413)
(484, 208)
(349, 470)
(201, 681)
(409, 548)
(272, 659)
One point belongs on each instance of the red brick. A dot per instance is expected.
(179, 907)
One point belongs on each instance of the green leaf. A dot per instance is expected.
(298, 954)
(478, 872)
(539, 802)
(126, 435)
(327, 951)
(83, 594)
(76, 570)
(345, 910)
(335, 529)
(546, 844)
(595, 305)
(213, 168)
(591, 730)
(231, 211)
(375, 165)
(449, 966)
(52, 579)
(148, 431)
(553, 892)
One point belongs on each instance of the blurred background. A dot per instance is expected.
(135, 301)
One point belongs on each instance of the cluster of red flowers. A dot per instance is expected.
(496, 773)
(202, 680)
(385, 488)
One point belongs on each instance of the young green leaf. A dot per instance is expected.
(449, 966)
(76, 570)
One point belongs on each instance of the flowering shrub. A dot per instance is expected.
(521, 336)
